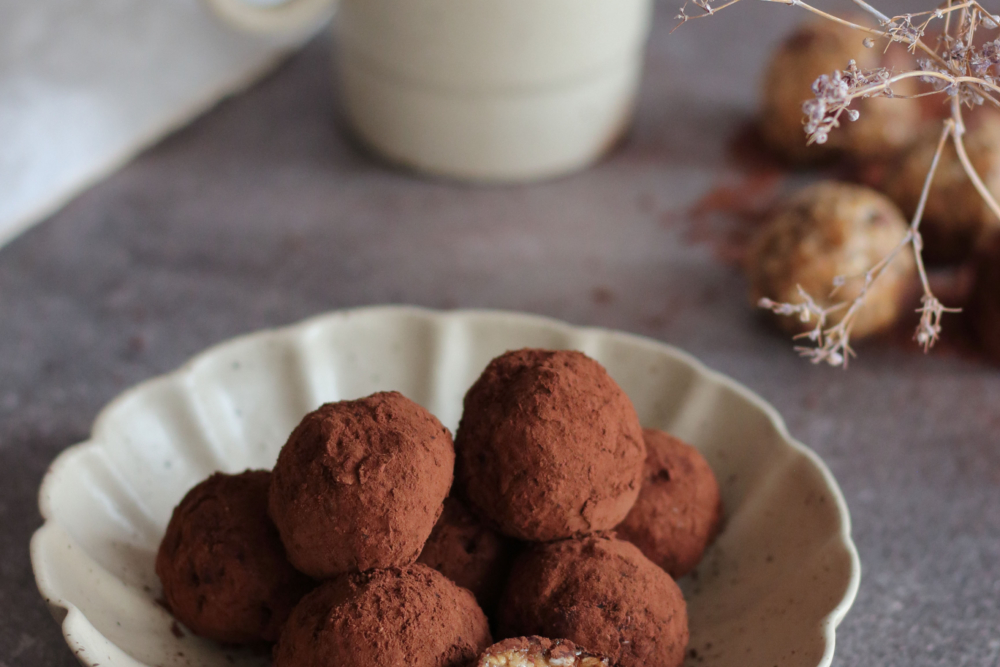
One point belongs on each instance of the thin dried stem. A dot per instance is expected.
(963, 157)
(893, 34)
(931, 309)
(882, 18)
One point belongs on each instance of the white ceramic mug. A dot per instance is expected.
(484, 90)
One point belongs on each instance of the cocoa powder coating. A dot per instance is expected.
(537, 651)
(359, 485)
(412, 616)
(469, 553)
(679, 508)
(549, 446)
(221, 563)
(599, 592)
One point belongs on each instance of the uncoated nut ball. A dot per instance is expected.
(549, 446)
(221, 563)
(410, 616)
(601, 593)
(679, 509)
(359, 484)
(829, 230)
(955, 215)
(984, 304)
(885, 125)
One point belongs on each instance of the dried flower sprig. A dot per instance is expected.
(958, 66)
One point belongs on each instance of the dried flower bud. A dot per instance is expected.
(814, 73)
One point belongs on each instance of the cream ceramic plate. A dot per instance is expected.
(770, 591)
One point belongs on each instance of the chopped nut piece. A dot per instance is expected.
(539, 652)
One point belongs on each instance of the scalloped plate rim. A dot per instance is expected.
(74, 615)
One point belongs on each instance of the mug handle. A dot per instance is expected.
(271, 16)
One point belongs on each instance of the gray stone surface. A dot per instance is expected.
(262, 213)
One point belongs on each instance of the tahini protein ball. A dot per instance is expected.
(829, 230)
(549, 446)
(411, 616)
(469, 553)
(360, 484)
(601, 593)
(679, 508)
(885, 126)
(984, 304)
(955, 216)
(221, 563)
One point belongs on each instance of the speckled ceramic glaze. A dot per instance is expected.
(771, 590)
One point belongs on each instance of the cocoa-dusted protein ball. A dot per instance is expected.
(884, 126)
(539, 652)
(679, 508)
(359, 484)
(825, 231)
(549, 446)
(469, 553)
(984, 303)
(955, 215)
(599, 592)
(412, 616)
(221, 563)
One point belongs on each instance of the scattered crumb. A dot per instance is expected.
(602, 295)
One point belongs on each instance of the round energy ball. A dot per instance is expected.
(412, 616)
(539, 652)
(359, 485)
(221, 563)
(598, 592)
(549, 446)
(472, 555)
(821, 47)
(984, 304)
(679, 508)
(829, 230)
(955, 215)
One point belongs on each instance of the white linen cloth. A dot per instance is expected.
(87, 84)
